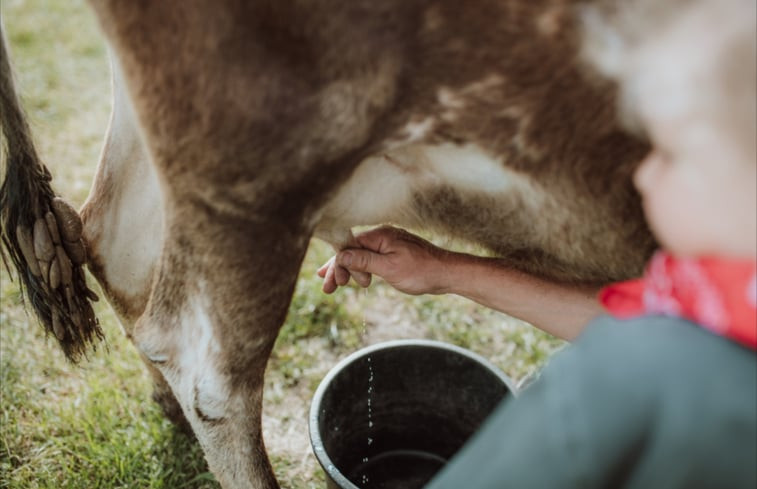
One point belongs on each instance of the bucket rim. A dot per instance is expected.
(315, 405)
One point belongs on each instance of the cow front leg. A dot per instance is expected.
(223, 289)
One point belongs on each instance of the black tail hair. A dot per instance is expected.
(35, 224)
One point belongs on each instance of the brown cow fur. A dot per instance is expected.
(252, 116)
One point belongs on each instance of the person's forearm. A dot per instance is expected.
(558, 309)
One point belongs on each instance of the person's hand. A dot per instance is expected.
(408, 263)
(415, 266)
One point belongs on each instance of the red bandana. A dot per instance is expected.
(720, 295)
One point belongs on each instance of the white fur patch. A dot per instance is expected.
(465, 167)
(417, 131)
(382, 188)
(200, 384)
(128, 229)
(376, 190)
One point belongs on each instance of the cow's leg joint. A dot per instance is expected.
(201, 414)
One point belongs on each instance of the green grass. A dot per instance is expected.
(94, 425)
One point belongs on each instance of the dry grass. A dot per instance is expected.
(93, 425)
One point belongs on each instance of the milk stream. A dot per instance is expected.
(364, 479)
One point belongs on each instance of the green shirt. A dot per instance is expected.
(651, 403)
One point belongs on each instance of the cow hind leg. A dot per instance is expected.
(123, 229)
(210, 326)
(164, 397)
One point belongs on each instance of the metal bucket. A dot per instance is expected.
(391, 415)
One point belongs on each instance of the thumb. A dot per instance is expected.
(361, 261)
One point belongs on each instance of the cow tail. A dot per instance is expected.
(41, 233)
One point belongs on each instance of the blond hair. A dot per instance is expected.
(679, 55)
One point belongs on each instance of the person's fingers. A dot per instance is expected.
(335, 275)
(328, 287)
(363, 279)
(329, 284)
(361, 261)
(324, 268)
(377, 239)
(341, 275)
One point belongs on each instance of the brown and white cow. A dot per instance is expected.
(241, 128)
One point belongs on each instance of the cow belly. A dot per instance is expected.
(465, 193)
